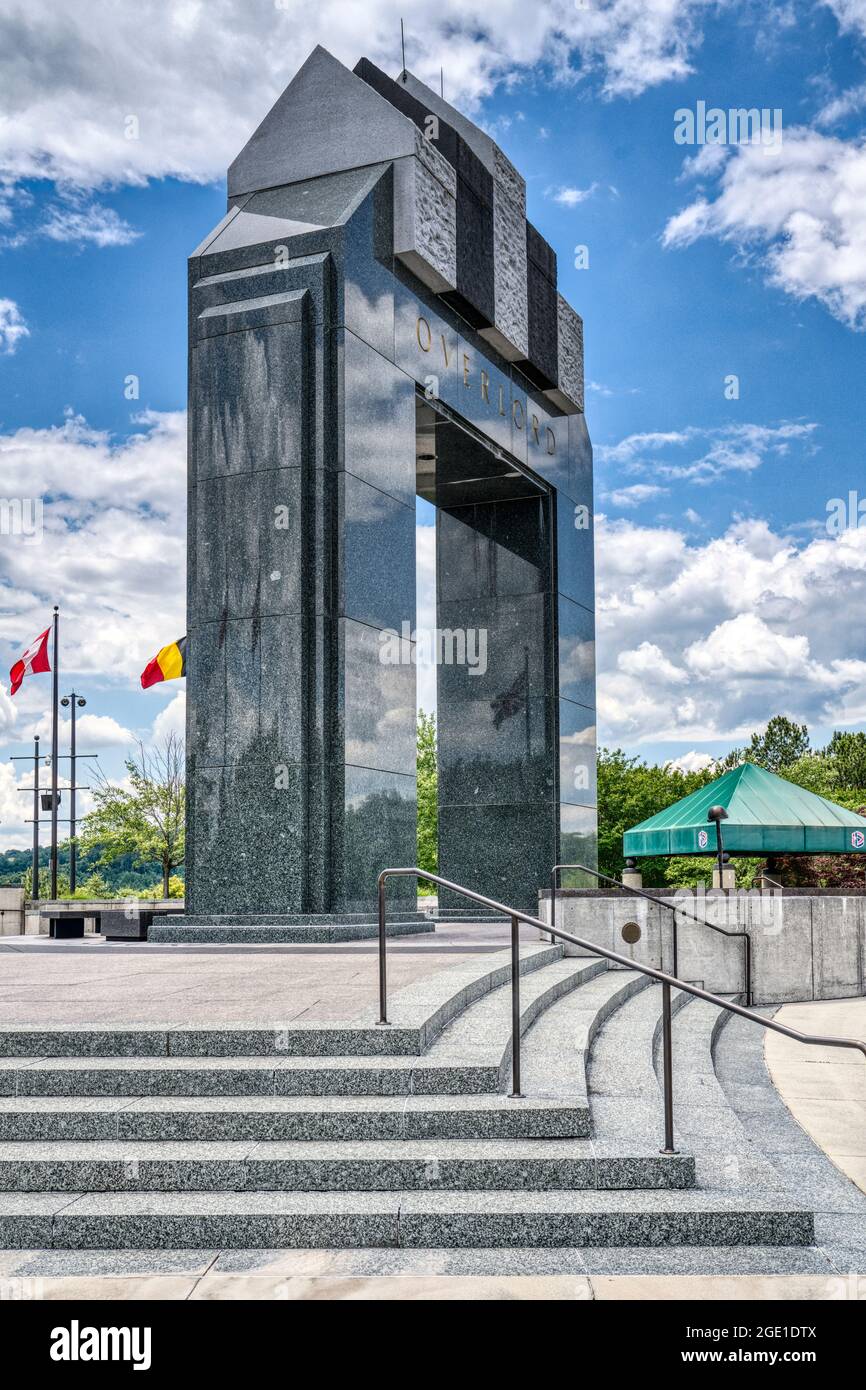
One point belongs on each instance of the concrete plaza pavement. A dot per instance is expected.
(825, 1087)
(96, 983)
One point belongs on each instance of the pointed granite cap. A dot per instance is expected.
(326, 120)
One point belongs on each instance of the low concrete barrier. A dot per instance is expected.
(804, 946)
(11, 911)
(21, 916)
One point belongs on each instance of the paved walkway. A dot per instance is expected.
(97, 983)
(436, 1288)
(825, 1087)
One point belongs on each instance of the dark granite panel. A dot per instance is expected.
(472, 172)
(284, 713)
(377, 698)
(576, 652)
(379, 831)
(446, 140)
(248, 542)
(580, 460)
(243, 691)
(208, 531)
(486, 756)
(547, 442)
(507, 646)
(249, 839)
(263, 542)
(503, 851)
(498, 548)
(206, 694)
(366, 304)
(578, 843)
(474, 256)
(485, 398)
(262, 311)
(379, 420)
(540, 253)
(377, 574)
(426, 347)
(575, 552)
(543, 362)
(248, 401)
(577, 766)
(279, 272)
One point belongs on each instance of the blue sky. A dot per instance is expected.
(722, 598)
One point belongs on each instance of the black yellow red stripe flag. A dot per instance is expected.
(167, 665)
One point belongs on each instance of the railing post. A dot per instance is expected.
(516, 1093)
(383, 982)
(668, 1070)
(748, 941)
(553, 878)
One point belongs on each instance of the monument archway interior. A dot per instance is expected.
(494, 651)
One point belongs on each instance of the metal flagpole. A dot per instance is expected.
(55, 688)
(74, 702)
(34, 873)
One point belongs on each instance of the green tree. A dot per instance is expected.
(848, 754)
(428, 831)
(145, 819)
(780, 745)
(815, 773)
(630, 791)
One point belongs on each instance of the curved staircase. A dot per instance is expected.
(400, 1136)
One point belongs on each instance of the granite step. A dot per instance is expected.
(726, 1155)
(481, 1038)
(236, 1076)
(471, 1056)
(557, 1049)
(278, 934)
(180, 1118)
(624, 1093)
(269, 1220)
(372, 1166)
(417, 1015)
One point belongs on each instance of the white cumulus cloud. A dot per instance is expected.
(12, 326)
(800, 208)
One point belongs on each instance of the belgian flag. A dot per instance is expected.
(167, 665)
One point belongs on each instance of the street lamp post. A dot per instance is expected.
(34, 872)
(72, 701)
(718, 814)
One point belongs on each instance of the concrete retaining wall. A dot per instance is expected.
(803, 947)
(11, 911)
(17, 913)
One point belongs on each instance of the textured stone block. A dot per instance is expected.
(509, 333)
(568, 391)
(425, 218)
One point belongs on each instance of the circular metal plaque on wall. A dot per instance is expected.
(631, 933)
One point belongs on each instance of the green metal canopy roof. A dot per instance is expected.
(766, 815)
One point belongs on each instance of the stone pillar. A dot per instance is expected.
(301, 728)
(497, 803)
(11, 911)
(729, 877)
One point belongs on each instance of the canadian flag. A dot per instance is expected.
(34, 659)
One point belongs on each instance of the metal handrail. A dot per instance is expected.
(650, 897)
(665, 980)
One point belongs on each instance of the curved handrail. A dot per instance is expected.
(650, 897)
(517, 916)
